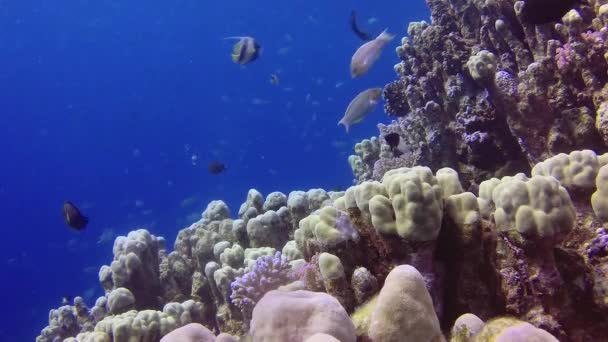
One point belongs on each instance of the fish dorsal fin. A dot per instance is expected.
(385, 36)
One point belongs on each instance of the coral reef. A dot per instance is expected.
(484, 103)
(413, 252)
(485, 93)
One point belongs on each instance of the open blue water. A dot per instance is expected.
(105, 103)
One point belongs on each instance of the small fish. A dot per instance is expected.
(274, 79)
(73, 217)
(360, 106)
(188, 201)
(368, 53)
(66, 300)
(215, 167)
(392, 139)
(246, 50)
(283, 50)
(537, 12)
(353, 26)
(258, 102)
(106, 236)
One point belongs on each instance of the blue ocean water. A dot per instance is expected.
(119, 106)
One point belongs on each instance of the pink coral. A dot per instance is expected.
(192, 332)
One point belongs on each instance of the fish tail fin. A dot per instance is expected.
(346, 126)
(385, 36)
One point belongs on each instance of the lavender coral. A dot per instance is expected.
(268, 273)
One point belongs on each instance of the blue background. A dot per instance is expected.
(105, 103)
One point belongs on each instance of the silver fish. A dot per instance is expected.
(360, 106)
(367, 54)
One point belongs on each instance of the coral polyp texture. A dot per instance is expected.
(487, 94)
(487, 222)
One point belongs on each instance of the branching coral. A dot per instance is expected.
(268, 273)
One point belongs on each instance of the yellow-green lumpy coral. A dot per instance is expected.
(362, 316)
(322, 227)
(359, 196)
(576, 170)
(537, 208)
(463, 209)
(465, 327)
(599, 199)
(413, 208)
(482, 66)
(506, 329)
(448, 182)
(330, 266)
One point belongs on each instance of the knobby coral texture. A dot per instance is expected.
(526, 257)
(487, 94)
(408, 254)
(268, 273)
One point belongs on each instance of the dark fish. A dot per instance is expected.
(73, 217)
(216, 168)
(538, 12)
(392, 139)
(353, 26)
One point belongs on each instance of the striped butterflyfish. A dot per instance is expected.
(246, 50)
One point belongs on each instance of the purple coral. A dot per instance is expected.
(598, 246)
(593, 37)
(268, 273)
(565, 57)
(345, 226)
(506, 83)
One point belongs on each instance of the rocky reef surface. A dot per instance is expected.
(481, 91)
(405, 256)
(499, 236)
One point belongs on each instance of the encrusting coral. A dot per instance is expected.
(485, 223)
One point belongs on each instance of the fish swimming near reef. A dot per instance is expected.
(274, 79)
(537, 12)
(392, 139)
(360, 106)
(73, 217)
(215, 167)
(246, 50)
(368, 53)
(355, 28)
